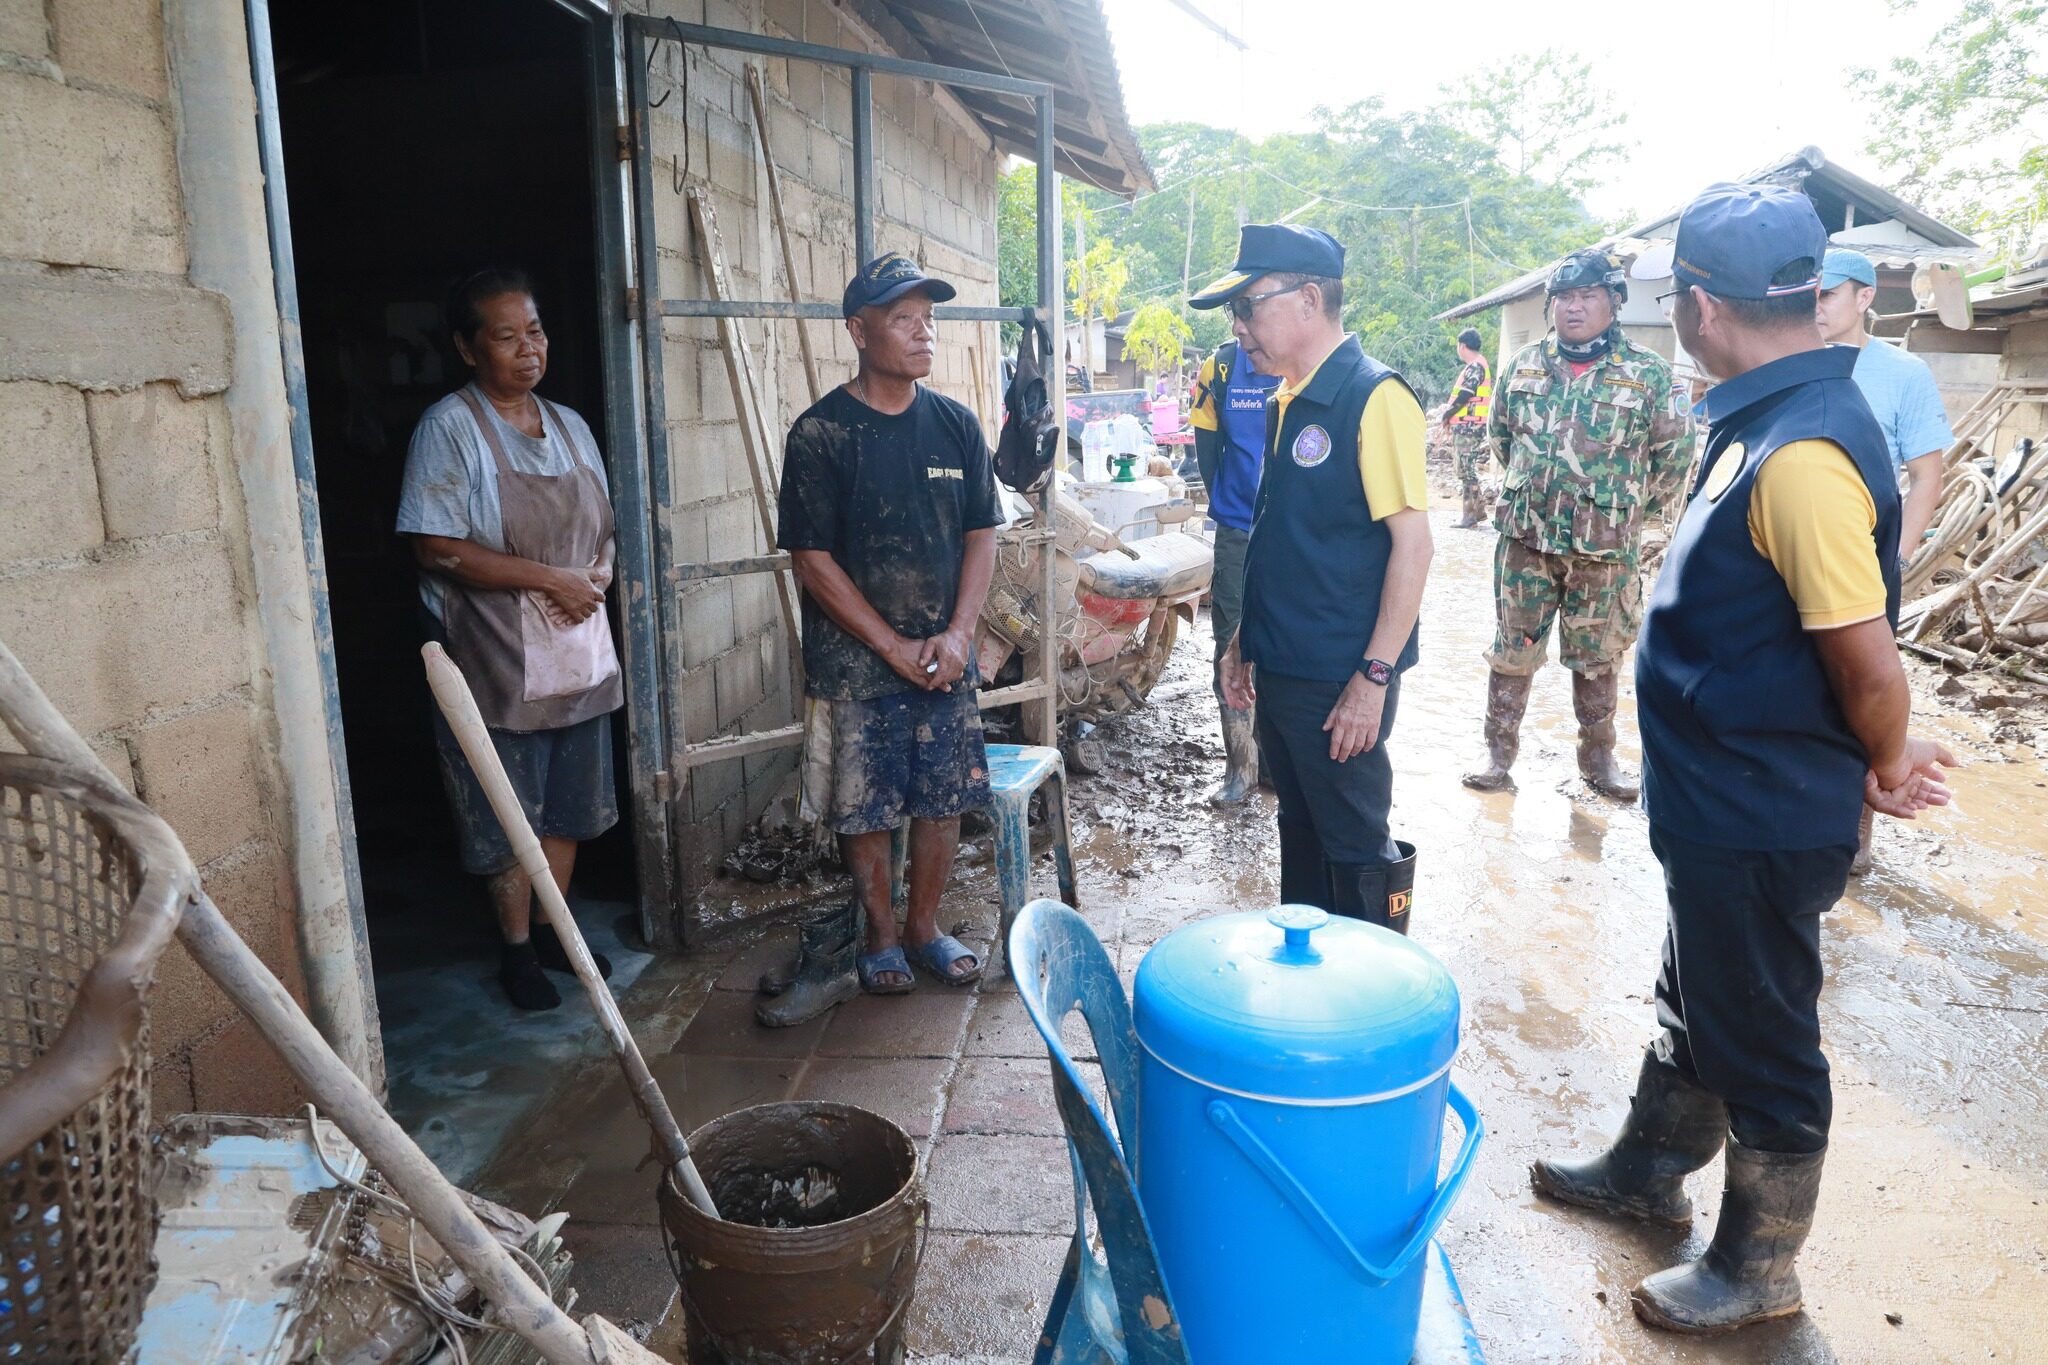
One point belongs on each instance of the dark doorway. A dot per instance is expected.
(423, 140)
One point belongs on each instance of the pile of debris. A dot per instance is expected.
(1976, 593)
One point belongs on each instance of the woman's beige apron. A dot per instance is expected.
(528, 671)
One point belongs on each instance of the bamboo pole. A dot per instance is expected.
(803, 331)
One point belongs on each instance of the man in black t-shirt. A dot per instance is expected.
(889, 509)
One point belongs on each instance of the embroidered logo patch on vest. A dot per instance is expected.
(1312, 447)
(1724, 471)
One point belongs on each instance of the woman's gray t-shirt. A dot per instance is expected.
(451, 481)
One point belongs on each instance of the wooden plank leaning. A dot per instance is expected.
(517, 1303)
(803, 331)
(739, 369)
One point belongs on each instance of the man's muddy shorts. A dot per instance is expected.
(1596, 603)
(909, 754)
(1468, 451)
(563, 779)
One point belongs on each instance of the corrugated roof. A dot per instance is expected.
(1807, 169)
(1064, 43)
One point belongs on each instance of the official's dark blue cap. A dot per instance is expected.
(888, 278)
(1734, 238)
(1274, 249)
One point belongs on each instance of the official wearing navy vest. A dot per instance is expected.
(1229, 419)
(1339, 552)
(1773, 706)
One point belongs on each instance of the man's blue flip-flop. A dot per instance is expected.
(939, 956)
(891, 959)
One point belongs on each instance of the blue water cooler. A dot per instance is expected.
(1294, 1075)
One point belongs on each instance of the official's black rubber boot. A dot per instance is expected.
(519, 972)
(1304, 872)
(1674, 1127)
(1594, 700)
(547, 946)
(1360, 890)
(1401, 887)
(1746, 1274)
(1507, 697)
(1240, 758)
(827, 945)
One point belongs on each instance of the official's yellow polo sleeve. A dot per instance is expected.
(1811, 515)
(1391, 437)
(1203, 415)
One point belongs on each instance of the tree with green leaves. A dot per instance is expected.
(1546, 117)
(1965, 124)
(1157, 338)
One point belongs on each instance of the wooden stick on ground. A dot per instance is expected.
(451, 691)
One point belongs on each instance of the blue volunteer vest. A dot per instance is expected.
(1744, 745)
(1317, 560)
(1241, 394)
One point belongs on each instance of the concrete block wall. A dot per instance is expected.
(2025, 357)
(125, 576)
(935, 178)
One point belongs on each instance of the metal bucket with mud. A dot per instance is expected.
(817, 1254)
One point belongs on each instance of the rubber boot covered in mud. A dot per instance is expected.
(823, 976)
(1507, 697)
(1473, 500)
(1593, 701)
(1674, 1127)
(1746, 1274)
(1240, 758)
(1378, 893)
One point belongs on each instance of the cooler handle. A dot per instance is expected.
(1261, 1156)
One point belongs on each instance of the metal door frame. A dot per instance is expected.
(662, 573)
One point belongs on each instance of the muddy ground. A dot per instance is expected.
(1546, 905)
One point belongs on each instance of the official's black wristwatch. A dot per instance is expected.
(1377, 671)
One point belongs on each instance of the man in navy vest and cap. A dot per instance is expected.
(1339, 551)
(1773, 708)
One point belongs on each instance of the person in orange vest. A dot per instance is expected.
(1465, 420)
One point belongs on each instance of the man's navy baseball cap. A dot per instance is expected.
(1734, 238)
(888, 278)
(1274, 249)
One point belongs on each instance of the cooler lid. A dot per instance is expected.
(1292, 1004)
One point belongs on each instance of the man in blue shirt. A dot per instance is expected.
(1229, 419)
(1907, 404)
(1899, 388)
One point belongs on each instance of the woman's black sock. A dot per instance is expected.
(520, 972)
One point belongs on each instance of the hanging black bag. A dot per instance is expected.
(1030, 438)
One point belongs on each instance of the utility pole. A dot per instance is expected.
(1187, 261)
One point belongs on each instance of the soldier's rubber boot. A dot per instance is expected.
(1860, 864)
(1378, 893)
(1593, 700)
(1304, 872)
(1746, 1274)
(1474, 510)
(827, 945)
(1240, 758)
(1674, 1127)
(1507, 697)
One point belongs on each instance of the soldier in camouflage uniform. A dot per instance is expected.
(1594, 443)
(1465, 420)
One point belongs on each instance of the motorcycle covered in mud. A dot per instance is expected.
(1126, 572)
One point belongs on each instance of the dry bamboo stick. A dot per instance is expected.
(803, 331)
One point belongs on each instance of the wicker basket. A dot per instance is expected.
(85, 912)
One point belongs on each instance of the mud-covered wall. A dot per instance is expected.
(2025, 357)
(935, 181)
(126, 579)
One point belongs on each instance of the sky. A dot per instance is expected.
(1711, 92)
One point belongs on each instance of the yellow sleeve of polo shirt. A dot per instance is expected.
(1203, 416)
(1391, 436)
(1812, 517)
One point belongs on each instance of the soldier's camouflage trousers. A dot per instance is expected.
(1597, 604)
(1468, 451)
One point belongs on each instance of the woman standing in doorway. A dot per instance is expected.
(510, 518)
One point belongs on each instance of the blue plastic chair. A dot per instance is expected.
(1014, 772)
(1118, 1312)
